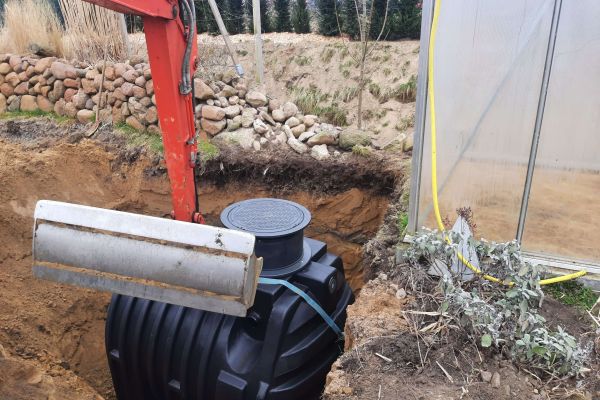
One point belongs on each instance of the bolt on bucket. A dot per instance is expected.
(199, 266)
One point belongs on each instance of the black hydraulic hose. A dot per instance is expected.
(190, 23)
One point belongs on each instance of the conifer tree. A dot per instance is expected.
(282, 16)
(300, 17)
(326, 14)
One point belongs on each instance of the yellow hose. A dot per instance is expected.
(434, 186)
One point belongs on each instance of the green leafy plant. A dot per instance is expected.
(505, 316)
(207, 151)
(140, 138)
(572, 293)
(34, 114)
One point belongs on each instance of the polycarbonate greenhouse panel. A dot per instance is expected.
(563, 216)
(489, 63)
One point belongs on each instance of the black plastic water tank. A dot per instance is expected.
(282, 350)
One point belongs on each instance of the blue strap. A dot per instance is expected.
(308, 299)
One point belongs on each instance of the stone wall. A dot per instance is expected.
(226, 109)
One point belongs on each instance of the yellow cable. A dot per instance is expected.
(434, 186)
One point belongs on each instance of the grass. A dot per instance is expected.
(44, 31)
(404, 68)
(405, 123)
(207, 151)
(346, 73)
(35, 114)
(310, 101)
(387, 72)
(404, 93)
(572, 293)
(346, 94)
(402, 221)
(136, 138)
(360, 150)
(327, 54)
(375, 89)
(242, 52)
(303, 60)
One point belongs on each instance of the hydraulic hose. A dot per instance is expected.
(434, 186)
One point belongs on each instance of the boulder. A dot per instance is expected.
(266, 117)
(58, 90)
(260, 127)
(130, 75)
(298, 130)
(63, 71)
(149, 87)
(289, 109)
(319, 152)
(202, 91)
(59, 107)
(140, 81)
(234, 123)
(248, 117)
(71, 83)
(5, 68)
(15, 63)
(232, 111)
(44, 104)
(243, 137)
(43, 64)
(309, 120)
(306, 135)
(2, 103)
(69, 93)
(22, 88)
(274, 104)
(229, 76)
(29, 103)
(6, 89)
(212, 127)
(88, 86)
(12, 78)
(85, 116)
(233, 100)
(292, 122)
(14, 105)
(79, 100)
(151, 115)
(323, 137)
(278, 115)
(256, 99)
(127, 88)
(139, 92)
(213, 113)
(134, 123)
(227, 91)
(120, 69)
(350, 137)
(256, 145)
(297, 145)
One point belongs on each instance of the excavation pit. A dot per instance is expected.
(59, 330)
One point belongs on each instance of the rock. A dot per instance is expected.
(130, 75)
(43, 64)
(256, 145)
(400, 293)
(151, 115)
(263, 141)
(140, 81)
(15, 63)
(229, 75)
(59, 107)
(28, 103)
(139, 92)
(120, 69)
(212, 127)
(247, 118)
(256, 99)
(495, 381)
(14, 105)
(231, 111)
(227, 91)
(288, 132)
(323, 137)
(154, 129)
(22, 88)
(278, 115)
(5, 68)
(297, 145)
(260, 127)
(235, 123)
(202, 91)
(289, 109)
(44, 90)
(71, 83)
(12, 78)
(351, 137)
(233, 100)
(274, 104)
(213, 113)
(79, 100)
(309, 120)
(407, 145)
(298, 130)
(88, 86)
(242, 137)
(2, 103)
(149, 87)
(63, 71)
(6, 89)
(134, 123)
(59, 90)
(292, 122)
(266, 117)
(319, 152)
(306, 135)
(127, 88)
(44, 104)
(85, 116)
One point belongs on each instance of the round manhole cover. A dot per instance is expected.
(266, 217)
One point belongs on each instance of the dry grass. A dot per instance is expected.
(93, 31)
(19, 36)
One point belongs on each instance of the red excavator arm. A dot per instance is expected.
(170, 28)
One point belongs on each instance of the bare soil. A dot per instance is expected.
(53, 335)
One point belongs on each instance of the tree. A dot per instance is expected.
(327, 17)
(205, 20)
(300, 17)
(349, 19)
(282, 16)
(265, 18)
(235, 17)
(248, 24)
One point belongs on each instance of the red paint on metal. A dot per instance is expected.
(165, 40)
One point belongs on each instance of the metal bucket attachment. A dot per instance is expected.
(192, 265)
